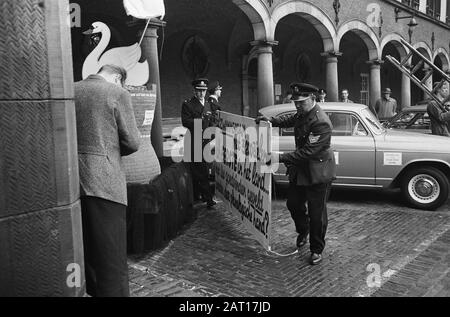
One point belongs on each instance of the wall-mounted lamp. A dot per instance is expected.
(412, 23)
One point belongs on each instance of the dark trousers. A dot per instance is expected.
(314, 219)
(200, 181)
(105, 247)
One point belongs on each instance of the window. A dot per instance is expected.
(346, 124)
(434, 8)
(364, 89)
(412, 3)
(372, 121)
(448, 14)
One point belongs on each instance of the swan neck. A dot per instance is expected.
(100, 48)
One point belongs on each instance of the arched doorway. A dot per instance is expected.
(391, 77)
(297, 57)
(306, 41)
(442, 62)
(360, 62)
(205, 38)
(353, 68)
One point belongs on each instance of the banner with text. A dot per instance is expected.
(143, 166)
(242, 178)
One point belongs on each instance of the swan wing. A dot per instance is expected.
(138, 75)
(126, 57)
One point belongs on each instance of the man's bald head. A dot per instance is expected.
(114, 74)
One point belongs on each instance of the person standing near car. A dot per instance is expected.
(322, 95)
(386, 107)
(311, 168)
(215, 92)
(106, 131)
(439, 115)
(193, 112)
(345, 95)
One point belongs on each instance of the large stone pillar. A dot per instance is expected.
(245, 97)
(150, 52)
(332, 77)
(265, 73)
(41, 251)
(375, 81)
(406, 91)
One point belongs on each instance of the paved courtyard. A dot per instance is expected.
(375, 247)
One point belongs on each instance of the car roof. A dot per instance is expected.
(287, 107)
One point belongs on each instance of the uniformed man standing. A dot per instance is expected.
(194, 112)
(215, 92)
(322, 96)
(311, 168)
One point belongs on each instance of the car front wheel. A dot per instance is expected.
(425, 188)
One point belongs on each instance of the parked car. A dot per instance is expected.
(413, 119)
(370, 156)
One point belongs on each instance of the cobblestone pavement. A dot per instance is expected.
(375, 247)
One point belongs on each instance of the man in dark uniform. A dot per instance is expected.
(322, 94)
(311, 168)
(193, 112)
(215, 92)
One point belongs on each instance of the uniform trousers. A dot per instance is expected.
(201, 181)
(312, 219)
(105, 247)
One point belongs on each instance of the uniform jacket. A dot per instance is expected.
(191, 110)
(440, 120)
(214, 104)
(313, 161)
(106, 130)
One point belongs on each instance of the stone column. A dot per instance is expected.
(375, 81)
(41, 245)
(406, 91)
(245, 98)
(150, 52)
(332, 77)
(265, 73)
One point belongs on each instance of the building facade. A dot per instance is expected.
(255, 48)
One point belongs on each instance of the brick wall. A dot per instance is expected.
(40, 218)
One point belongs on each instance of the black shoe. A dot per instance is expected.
(301, 241)
(315, 258)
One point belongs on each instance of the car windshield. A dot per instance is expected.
(373, 122)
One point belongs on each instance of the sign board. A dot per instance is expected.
(143, 166)
(243, 180)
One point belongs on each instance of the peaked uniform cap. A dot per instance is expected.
(300, 90)
(200, 84)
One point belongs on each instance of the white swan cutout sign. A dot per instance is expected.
(127, 57)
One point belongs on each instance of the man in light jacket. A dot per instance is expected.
(106, 131)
